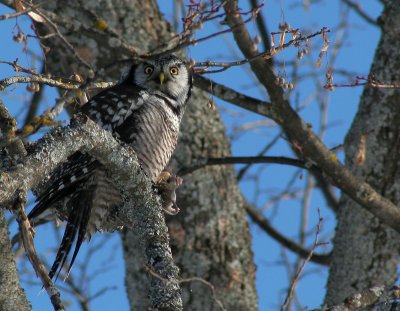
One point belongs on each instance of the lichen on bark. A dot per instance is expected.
(365, 250)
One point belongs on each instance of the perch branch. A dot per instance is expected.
(141, 208)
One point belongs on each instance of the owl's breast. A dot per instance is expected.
(152, 131)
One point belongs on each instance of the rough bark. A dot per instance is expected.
(12, 297)
(366, 251)
(210, 238)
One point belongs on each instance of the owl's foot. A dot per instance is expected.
(166, 184)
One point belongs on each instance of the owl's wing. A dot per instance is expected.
(109, 109)
(63, 181)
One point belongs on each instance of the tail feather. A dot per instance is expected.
(82, 233)
(44, 204)
(73, 225)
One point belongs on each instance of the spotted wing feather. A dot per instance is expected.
(109, 109)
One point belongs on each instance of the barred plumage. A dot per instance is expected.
(145, 111)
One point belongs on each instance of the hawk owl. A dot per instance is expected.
(144, 110)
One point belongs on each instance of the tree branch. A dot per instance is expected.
(141, 209)
(264, 224)
(317, 173)
(357, 8)
(26, 232)
(301, 136)
(230, 95)
(243, 160)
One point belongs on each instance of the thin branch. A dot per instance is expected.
(62, 38)
(230, 95)
(300, 271)
(357, 8)
(262, 28)
(242, 160)
(34, 104)
(257, 56)
(244, 170)
(298, 249)
(26, 232)
(66, 84)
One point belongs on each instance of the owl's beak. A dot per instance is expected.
(161, 78)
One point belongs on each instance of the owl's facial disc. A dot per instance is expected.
(168, 76)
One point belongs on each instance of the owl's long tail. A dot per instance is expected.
(77, 224)
(71, 179)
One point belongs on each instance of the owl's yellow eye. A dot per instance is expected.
(174, 71)
(148, 69)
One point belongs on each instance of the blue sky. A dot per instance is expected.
(272, 279)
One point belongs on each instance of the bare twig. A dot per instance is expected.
(63, 83)
(264, 224)
(357, 8)
(202, 67)
(61, 36)
(369, 81)
(243, 170)
(198, 14)
(300, 271)
(34, 103)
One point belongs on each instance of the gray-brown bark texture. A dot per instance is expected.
(365, 250)
(210, 237)
(12, 297)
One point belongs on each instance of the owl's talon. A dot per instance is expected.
(167, 183)
(172, 210)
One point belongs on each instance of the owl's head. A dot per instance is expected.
(167, 75)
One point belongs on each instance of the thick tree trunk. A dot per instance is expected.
(366, 251)
(210, 237)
